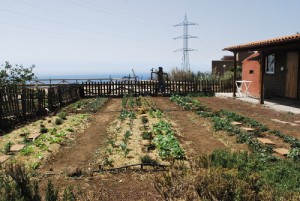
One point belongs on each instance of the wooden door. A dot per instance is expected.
(292, 74)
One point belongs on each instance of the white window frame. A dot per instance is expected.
(270, 64)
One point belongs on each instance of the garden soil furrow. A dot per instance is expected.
(80, 154)
(196, 135)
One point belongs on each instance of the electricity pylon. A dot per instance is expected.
(185, 37)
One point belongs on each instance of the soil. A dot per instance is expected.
(194, 133)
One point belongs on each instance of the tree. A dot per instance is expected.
(12, 75)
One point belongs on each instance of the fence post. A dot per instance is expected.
(1, 107)
(50, 98)
(23, 101)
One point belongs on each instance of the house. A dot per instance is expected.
(226, 63)
(279, 64)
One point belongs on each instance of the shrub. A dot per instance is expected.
(58, 121)
(43, 130)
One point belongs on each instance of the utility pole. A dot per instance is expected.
(185, 37)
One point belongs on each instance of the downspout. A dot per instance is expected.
(234, 75)
(262, 75)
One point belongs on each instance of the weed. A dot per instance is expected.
(51, 192)
(7, 147)
(62, 115)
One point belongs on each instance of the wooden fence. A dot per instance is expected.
(18, 104)
(152, 88)
(21, 103)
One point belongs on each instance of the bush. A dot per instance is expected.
(58, 121)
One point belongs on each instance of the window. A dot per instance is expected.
(270, 64)
(251, 72)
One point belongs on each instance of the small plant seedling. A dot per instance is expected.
(111, 142)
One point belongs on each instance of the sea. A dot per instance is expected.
(58, 79)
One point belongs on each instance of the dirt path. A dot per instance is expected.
(197, 134)
(81, 153)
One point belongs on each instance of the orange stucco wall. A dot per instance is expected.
(251, 72)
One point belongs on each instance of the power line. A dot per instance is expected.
(80, 17)
(109, 12)
(185, 37)
(78, 37)
(72, 26)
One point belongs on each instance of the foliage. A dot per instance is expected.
(43, 129)
(27, 150)
(225, 175)
(59, 121)
(12, 75)
(177, 74)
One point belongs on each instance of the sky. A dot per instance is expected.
(106, 37)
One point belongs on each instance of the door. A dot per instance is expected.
(292, 74)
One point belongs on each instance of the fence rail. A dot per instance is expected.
(23, 102)
(149, 87)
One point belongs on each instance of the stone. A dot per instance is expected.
(247, 129)
(281, 151)
(235, 123)
(265, 141)
(33, 136)
(4, 158)
(17, 147)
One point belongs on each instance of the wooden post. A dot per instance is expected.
(262, 75)
(23, 101)
(234, 75)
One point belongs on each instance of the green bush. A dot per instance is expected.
(59, 121)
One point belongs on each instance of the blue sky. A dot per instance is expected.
(96, 37)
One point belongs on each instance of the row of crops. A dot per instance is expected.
(141, 136)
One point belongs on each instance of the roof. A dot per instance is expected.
(264, 43)
(254, 56)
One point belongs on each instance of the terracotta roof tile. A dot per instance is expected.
(261, 43)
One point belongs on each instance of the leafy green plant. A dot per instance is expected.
(144, 120)
(124, 148)
(112, 142)
(127, 136)
(27, 150)
(146, 135)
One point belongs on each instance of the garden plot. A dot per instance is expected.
(33, 143)
(141, 135)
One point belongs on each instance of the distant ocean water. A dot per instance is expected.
(46, 79)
